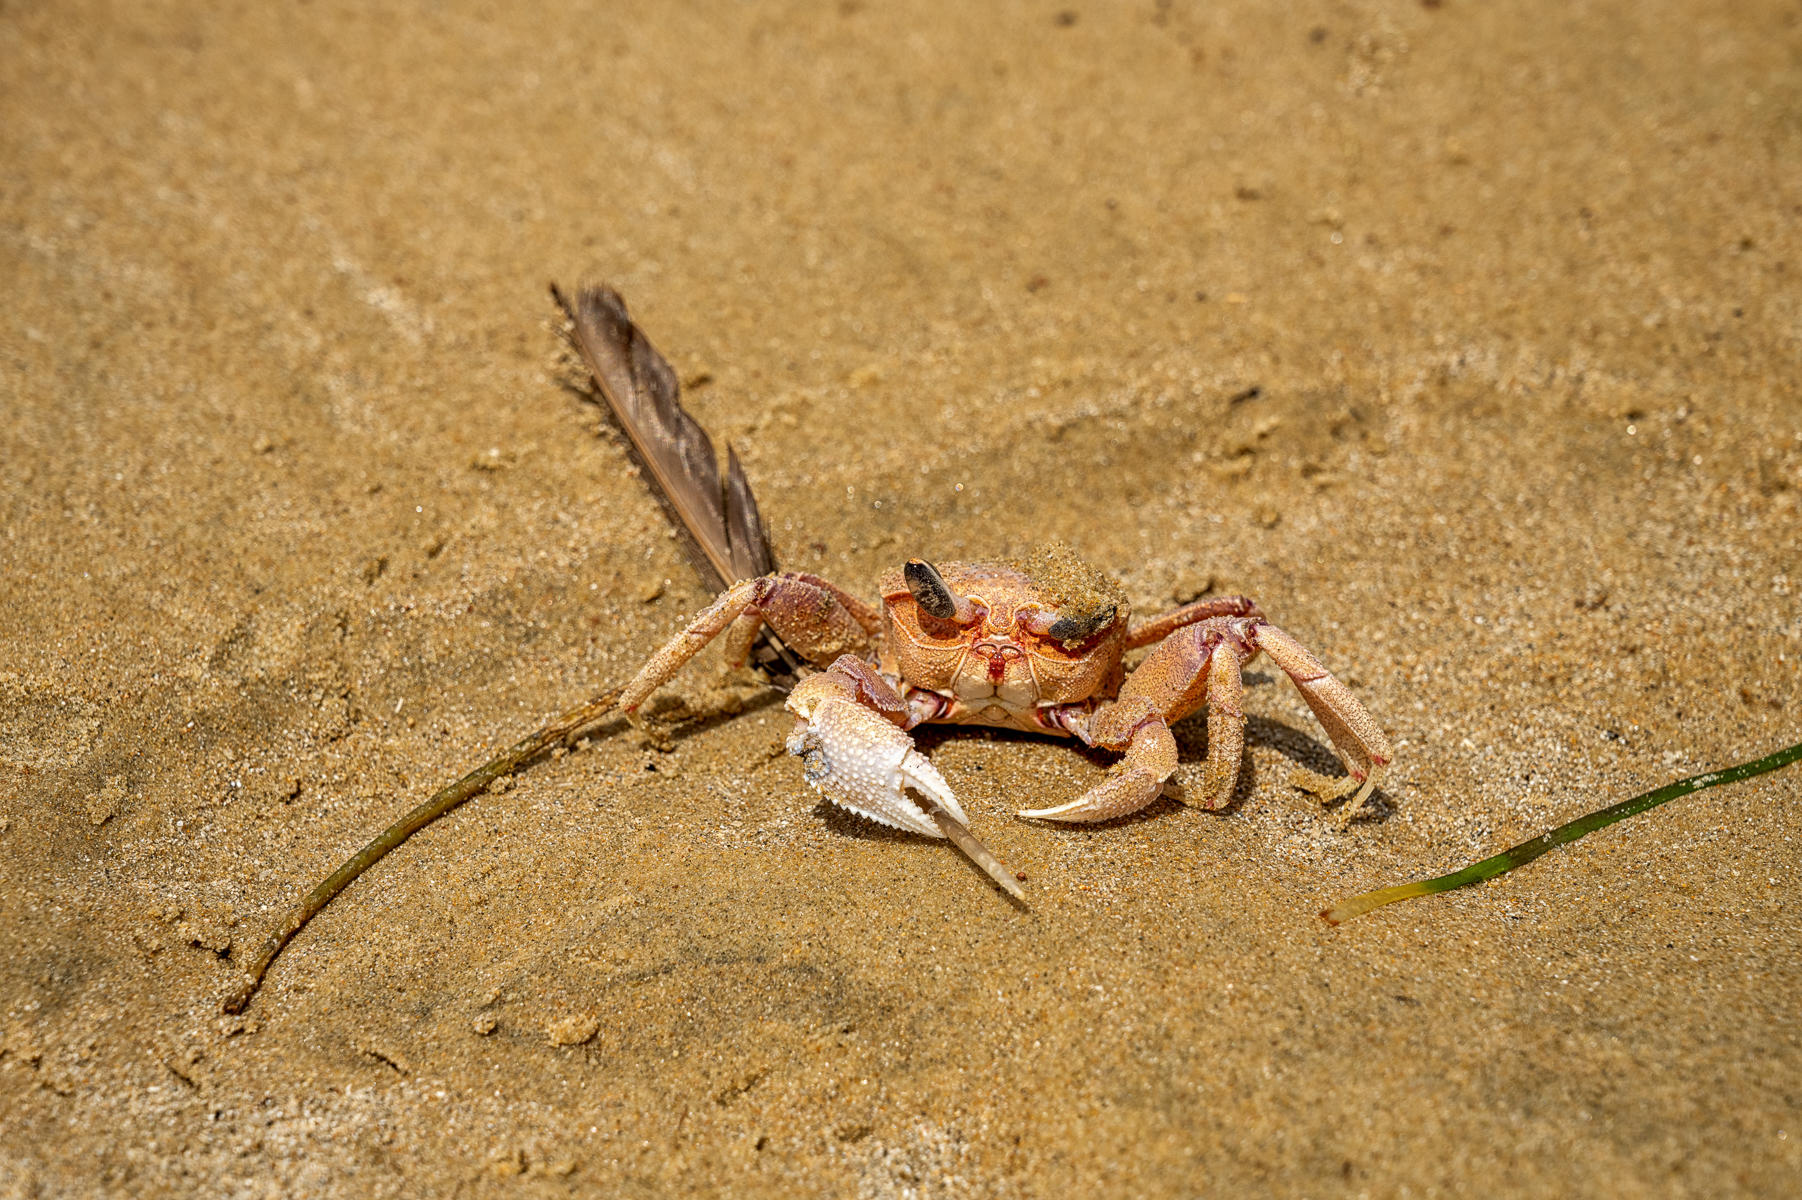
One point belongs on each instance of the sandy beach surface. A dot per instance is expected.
(1466, 338)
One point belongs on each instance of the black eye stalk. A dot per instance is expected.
(934, 595)
(1080, 627)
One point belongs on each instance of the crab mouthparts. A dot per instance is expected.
(996, 658)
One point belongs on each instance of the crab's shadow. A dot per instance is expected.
(674, 721)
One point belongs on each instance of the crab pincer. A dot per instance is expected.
(856, 754)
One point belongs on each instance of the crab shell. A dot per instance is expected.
(997, 670)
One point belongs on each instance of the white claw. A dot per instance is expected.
(864, 763)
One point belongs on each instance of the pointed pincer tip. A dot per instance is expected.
(974, 850)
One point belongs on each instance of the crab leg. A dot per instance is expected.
(1160, 627)
(1201, 663)
(1136, 727)
(1355, 734)
(1226, 728)
(1196, 662)
(817, 619)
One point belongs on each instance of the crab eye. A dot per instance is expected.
(934, 595)
(1077, 627)
(1066, 628)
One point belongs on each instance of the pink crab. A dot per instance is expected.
(1036, 646)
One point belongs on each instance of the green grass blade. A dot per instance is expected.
(1526, 852)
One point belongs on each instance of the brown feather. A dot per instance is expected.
(751, 554)
(721, 529)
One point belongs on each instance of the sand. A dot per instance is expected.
(1464, 337)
